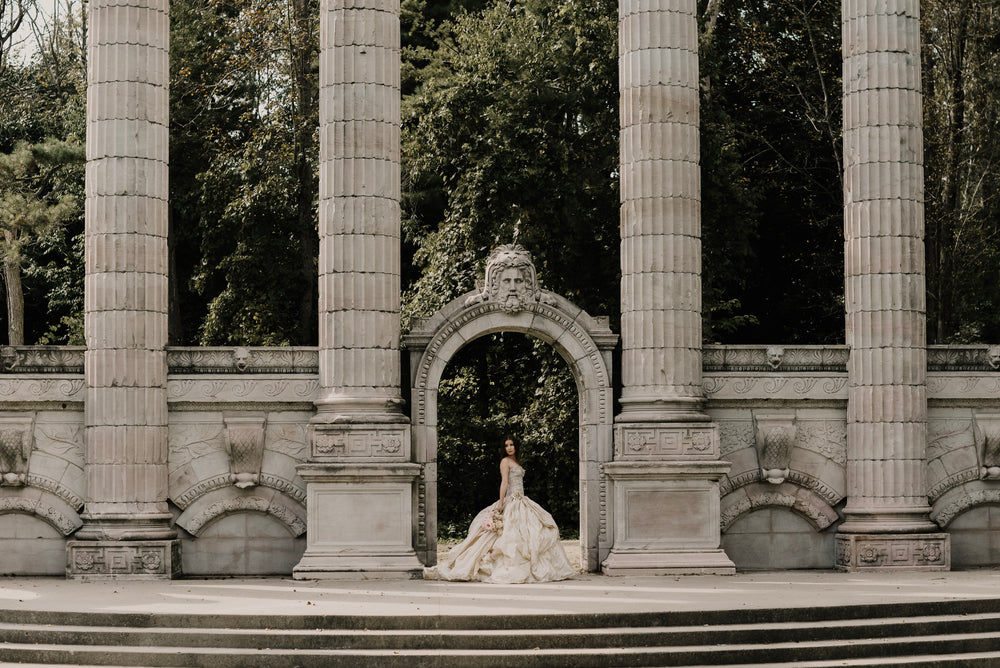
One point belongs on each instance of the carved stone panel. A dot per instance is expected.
(699, 441)
(330, 443)
(130, 560)
(886, 552)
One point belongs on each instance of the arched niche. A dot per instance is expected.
(585, 342)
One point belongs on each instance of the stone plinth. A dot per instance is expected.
(666, 518)
(360, 522)
(123, 560)
(893, 552)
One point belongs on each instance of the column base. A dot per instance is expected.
(861, 553)
(374, 566)
(123, 560)
(705, 562)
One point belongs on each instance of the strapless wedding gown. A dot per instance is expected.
(526, 549)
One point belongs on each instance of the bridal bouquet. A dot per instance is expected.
(494, 523)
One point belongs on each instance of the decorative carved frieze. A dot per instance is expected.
(987, 429)
(882, 552)
(771, 359)
(241, 360)
(775, 436)
(699, 441)
(41, 359)
(245, 447)
(17, 438)
(160, 559)
(330, 443)
(243, 391)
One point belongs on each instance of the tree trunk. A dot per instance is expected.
(15, 301)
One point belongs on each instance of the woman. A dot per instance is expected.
(512, 540)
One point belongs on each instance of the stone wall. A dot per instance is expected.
(239, 426)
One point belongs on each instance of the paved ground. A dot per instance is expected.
(584, 593)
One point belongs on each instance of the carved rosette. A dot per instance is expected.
(245, 447)
(17, 438)
(775, 437)
(987, 428)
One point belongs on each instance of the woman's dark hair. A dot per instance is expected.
(517, 449)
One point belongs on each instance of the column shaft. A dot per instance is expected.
(126, 270)
(884, 267)
(359, 290)
(660, 210)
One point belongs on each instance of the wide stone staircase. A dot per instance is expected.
(942, 633)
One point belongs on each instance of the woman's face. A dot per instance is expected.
(509, 446)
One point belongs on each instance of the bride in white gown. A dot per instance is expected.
(514, 540)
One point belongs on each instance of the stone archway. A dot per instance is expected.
(583, 341)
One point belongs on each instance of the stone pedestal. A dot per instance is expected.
(666, 511)
(360, 521)
(893, 552)
(123, 559)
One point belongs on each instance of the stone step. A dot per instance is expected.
(302, 639)
(939, 633)
(866, 652)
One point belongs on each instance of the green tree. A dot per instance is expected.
(32, 204)
(961, 77)
(42, 111)
(772, 196)
(243, 178)
(512, 136)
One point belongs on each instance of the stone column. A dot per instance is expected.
(665, 478)
(127, 528)
(360, 483)
(887, 523)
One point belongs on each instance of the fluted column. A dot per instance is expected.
(660, 210)
(359, 285)
(885, 289)
(360, 483)
(126, 292)
(664, 480)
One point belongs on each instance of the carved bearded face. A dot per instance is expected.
(511, 289)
